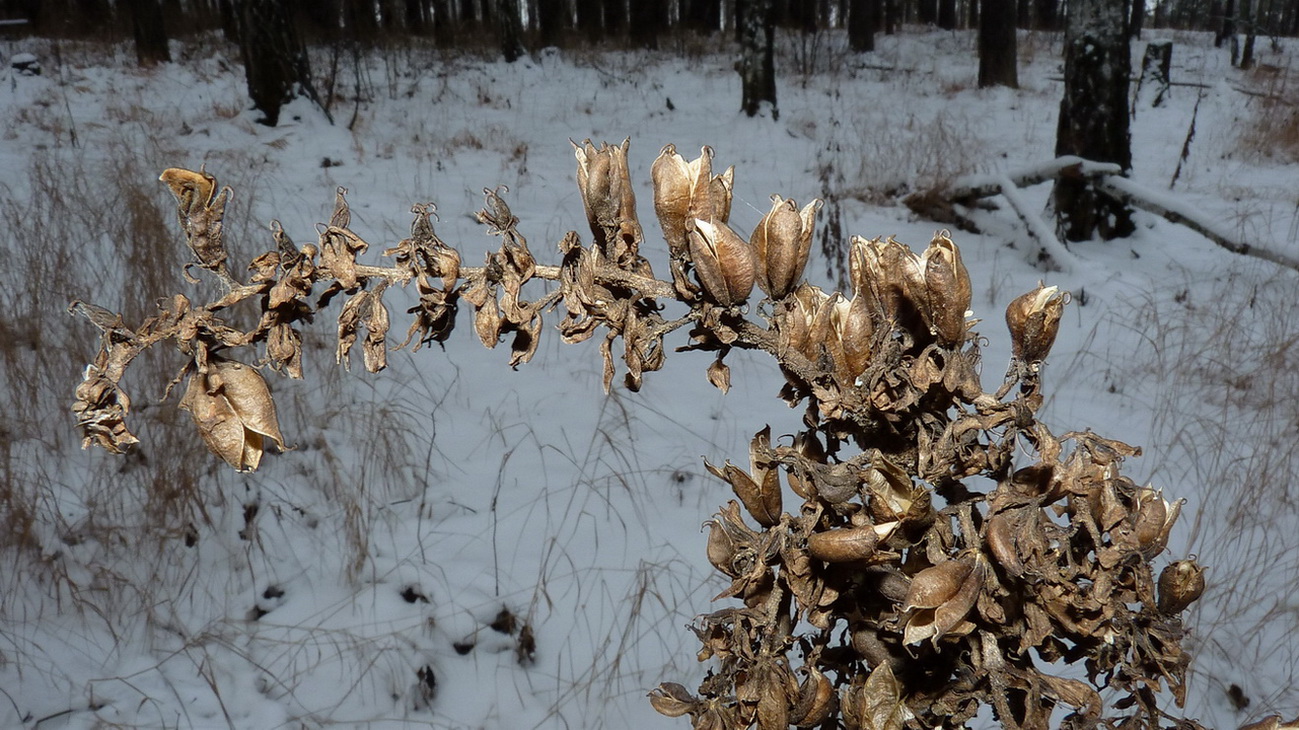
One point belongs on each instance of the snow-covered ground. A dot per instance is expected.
(430, 512)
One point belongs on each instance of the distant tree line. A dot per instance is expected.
(568, 23)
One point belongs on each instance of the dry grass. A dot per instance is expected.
(1271, 128)
(1220, 365)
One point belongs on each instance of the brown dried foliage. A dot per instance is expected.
(917, 570)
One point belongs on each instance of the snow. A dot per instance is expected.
(451, 477)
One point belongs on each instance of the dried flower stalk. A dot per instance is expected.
(911, 593)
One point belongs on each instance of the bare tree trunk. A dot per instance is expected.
(1094, 116)
(150, 35)
(927, 11)
(702, 15)
(862, 16)
(1046, 14)
(1228, 28)
(648, 18)
(552, 21)
(997, 45)
(892, 16)
(509, 26)
(947, 14)
(615, 17)
(1136, 19)
(590, 19)
(1249, 13)
(275, 62)
(756, 24)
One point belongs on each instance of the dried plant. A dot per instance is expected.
(922, 570)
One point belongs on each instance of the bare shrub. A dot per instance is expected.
(948, 551)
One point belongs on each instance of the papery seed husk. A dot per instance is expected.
(775, 243)
(487, 324)
(720, 190)
(1000, 539)
(948, 286)
(843, 544)
(721, 548)
(723, 261)
(671, 176)
(777, 691)
(935, 585)
(672, 700)
(701, 181)
(1033, 319)
(816, 699)
(719, 375)
(217, 423)
(898, 269)
(855, 334)
(1180, 585)
(1149, 515)
(246, 390)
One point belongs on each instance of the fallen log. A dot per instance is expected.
(949, 203)
(1179, 211)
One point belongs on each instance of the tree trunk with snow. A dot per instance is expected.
(1094, 116)
(757, 64)
(150, 35)
(997, 49)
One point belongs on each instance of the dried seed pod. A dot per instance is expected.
(1000, 539)
(941, 596)
(1180, 585)
(900, 283)
(724, 262)
(855, 331)
(782, 242)
(762, 500)
(721, 548)
(1153, 520)
(673, 700)
(866, 273)
(234, 412)
(848, 544)
(720, 191)
(193, 190)
(1034, 320)
(798, 321)
(947, 284)
(676, 184)
(816, 699)
(874, 702)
